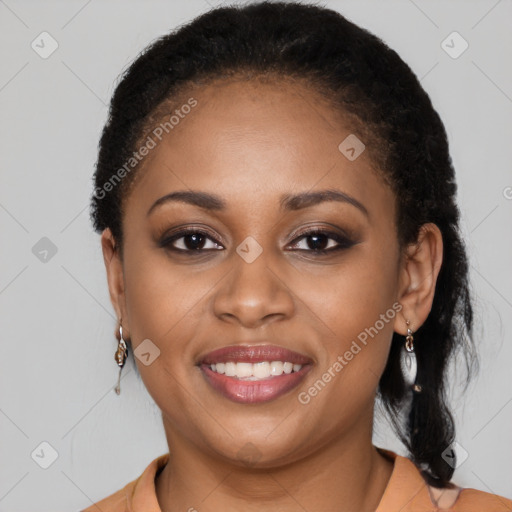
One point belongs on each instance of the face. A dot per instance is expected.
(291, 295)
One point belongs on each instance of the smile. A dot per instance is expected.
(254, 374)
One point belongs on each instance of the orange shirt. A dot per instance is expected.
(406, 492)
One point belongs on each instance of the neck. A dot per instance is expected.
(346, 474)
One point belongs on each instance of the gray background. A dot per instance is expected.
(57, 370)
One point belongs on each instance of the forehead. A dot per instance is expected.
(253, 139)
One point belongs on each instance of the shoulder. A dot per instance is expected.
(407, 491)
(117, 502)
(138, 494)
(473, 499)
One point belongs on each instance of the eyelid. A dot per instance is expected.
(168, 238)
(324, 230)
(343, 240)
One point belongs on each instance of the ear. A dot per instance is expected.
(420, 267)
(115, 278)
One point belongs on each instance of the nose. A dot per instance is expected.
(254, 294)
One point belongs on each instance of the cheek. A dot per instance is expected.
(353, 295)
(169, 305)
(358, 306)
(161, 305)
(161, 299)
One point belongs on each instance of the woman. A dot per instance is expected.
(276, 203)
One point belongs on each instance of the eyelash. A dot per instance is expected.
(343, 242)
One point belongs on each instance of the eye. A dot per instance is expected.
(190, 240)
(194, 240)
(319, 241)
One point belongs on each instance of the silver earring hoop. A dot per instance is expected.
(120, 357)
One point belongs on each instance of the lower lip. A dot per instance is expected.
(250, 391)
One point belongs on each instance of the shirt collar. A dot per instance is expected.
(142, 495)
(406, 489)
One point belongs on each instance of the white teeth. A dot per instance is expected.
(243, 370)
(230, 369)
(255, 371)
(276, 368)
(261, 370)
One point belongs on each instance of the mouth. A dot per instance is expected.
(254, 374)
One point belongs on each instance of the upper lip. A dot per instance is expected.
(254, 354)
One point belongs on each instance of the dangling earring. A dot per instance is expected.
(408, 361)
(120, 357)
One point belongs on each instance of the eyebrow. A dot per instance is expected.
(289, 202)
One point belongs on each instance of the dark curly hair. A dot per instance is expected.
(366, 80)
